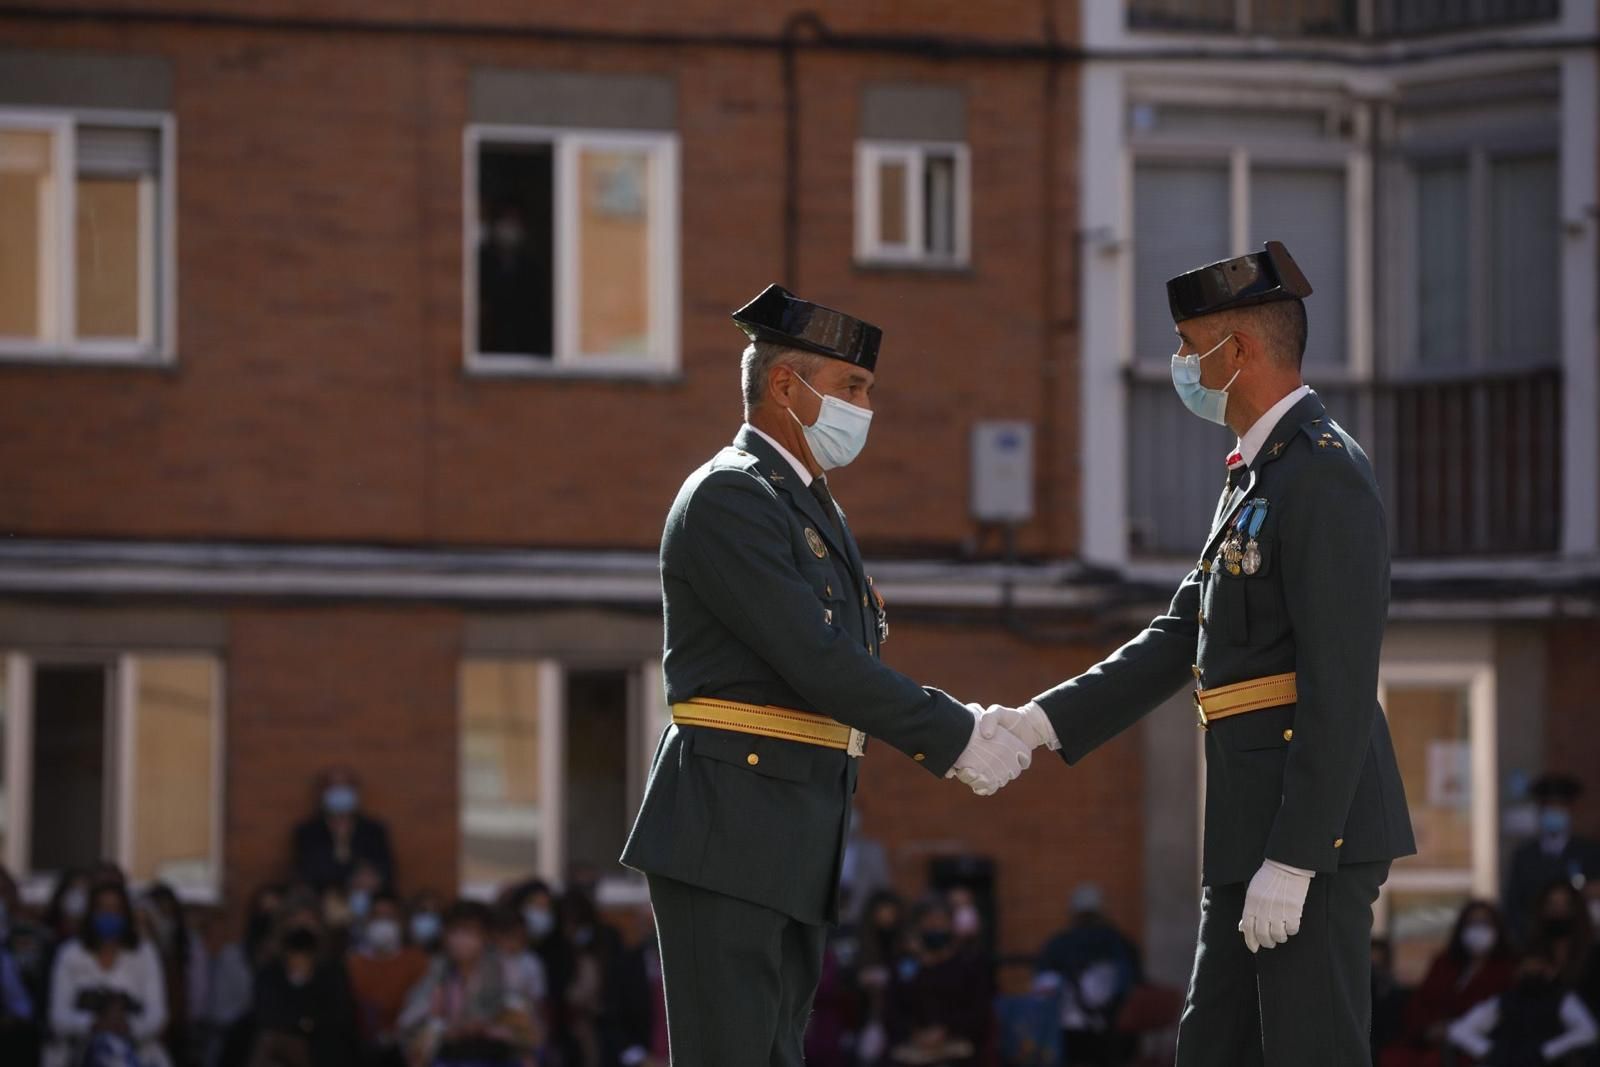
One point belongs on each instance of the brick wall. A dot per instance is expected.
(1572, 745)
(319, 392)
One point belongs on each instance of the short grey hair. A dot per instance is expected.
(756, 367)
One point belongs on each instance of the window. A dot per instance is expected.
(1441, 716)
(114, 757)
(912, 203)
(572, 251)
(553, 764)
(86, 204)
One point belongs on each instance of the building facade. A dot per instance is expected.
(350, 360)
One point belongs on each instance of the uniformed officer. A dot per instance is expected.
(772, 637)
(1279, 627)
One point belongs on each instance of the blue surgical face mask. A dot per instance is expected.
(539, 921)
(339, 799)
(1209, 404)
(109, 926)
(840, 432)
(1555, 822)
(425, 927)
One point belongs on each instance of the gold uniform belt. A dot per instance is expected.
(1257, 694)
(766, 721)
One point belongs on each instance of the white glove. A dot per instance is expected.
(1028, 722)
(1272, 905)
(992, 758)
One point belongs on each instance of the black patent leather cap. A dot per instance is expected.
(1257, 278)
(780, 317)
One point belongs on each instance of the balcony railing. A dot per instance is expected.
(1468, 468)
(1334, 18)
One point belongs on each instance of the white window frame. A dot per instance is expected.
(872, 154)
(122, 695)
(1242, 156)
(648, 716)
(158, 285)
(664, 235)
(1477, 679)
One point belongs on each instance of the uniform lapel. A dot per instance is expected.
(782, 474)
(1309, 407)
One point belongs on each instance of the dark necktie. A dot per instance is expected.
(819, 489)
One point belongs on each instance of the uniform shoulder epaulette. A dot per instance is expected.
(1325, 435)
(734, 458)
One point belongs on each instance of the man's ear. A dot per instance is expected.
(780, 382)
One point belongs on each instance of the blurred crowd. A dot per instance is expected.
(333, 967)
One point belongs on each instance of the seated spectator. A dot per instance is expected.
(1557, 854)
(331, 844)
(1476, 965)
(466, 1009)
(69, 903)
(304, 1014)
(107, 992)
(594, 947)
(880, 944)
(638, 1007)
(1540, 1019)
(540, 911)
(232, 994)
(932, 1017)
(425, 922)
(1096, 966)
(512, 940)
(183, 965)
(383, 970)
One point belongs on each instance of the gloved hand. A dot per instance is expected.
(990, 761)
(1028, 722)
(1272, 905)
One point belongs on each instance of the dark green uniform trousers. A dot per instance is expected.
(1305, 1003)
(739, 977)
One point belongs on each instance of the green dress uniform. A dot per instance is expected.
(741, 836)
(1294, 577)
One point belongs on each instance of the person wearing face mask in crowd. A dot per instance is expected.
(383, 969)
(425, 922)
(1093, 966)
(184, 965)
(1477, 964)
(233, 971)
(1279, 627)
(467, 1010)
(304, 1013)
(937, 1014)
(513, 938)
(330, 846)
(772, 669)
(1556, 854)
(107, 992)
(1540, 1019)
(64, 915)
(879, 945)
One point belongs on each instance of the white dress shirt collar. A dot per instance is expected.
(1256, 436)
(799, 468)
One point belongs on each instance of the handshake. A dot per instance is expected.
(1002, 744)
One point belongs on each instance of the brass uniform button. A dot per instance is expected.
(1338, 842)
(920, 756)
(827, 590)
(1195, 667)
(752, 759)
(1288, 735)
(1202, 618)
(1205, 566)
